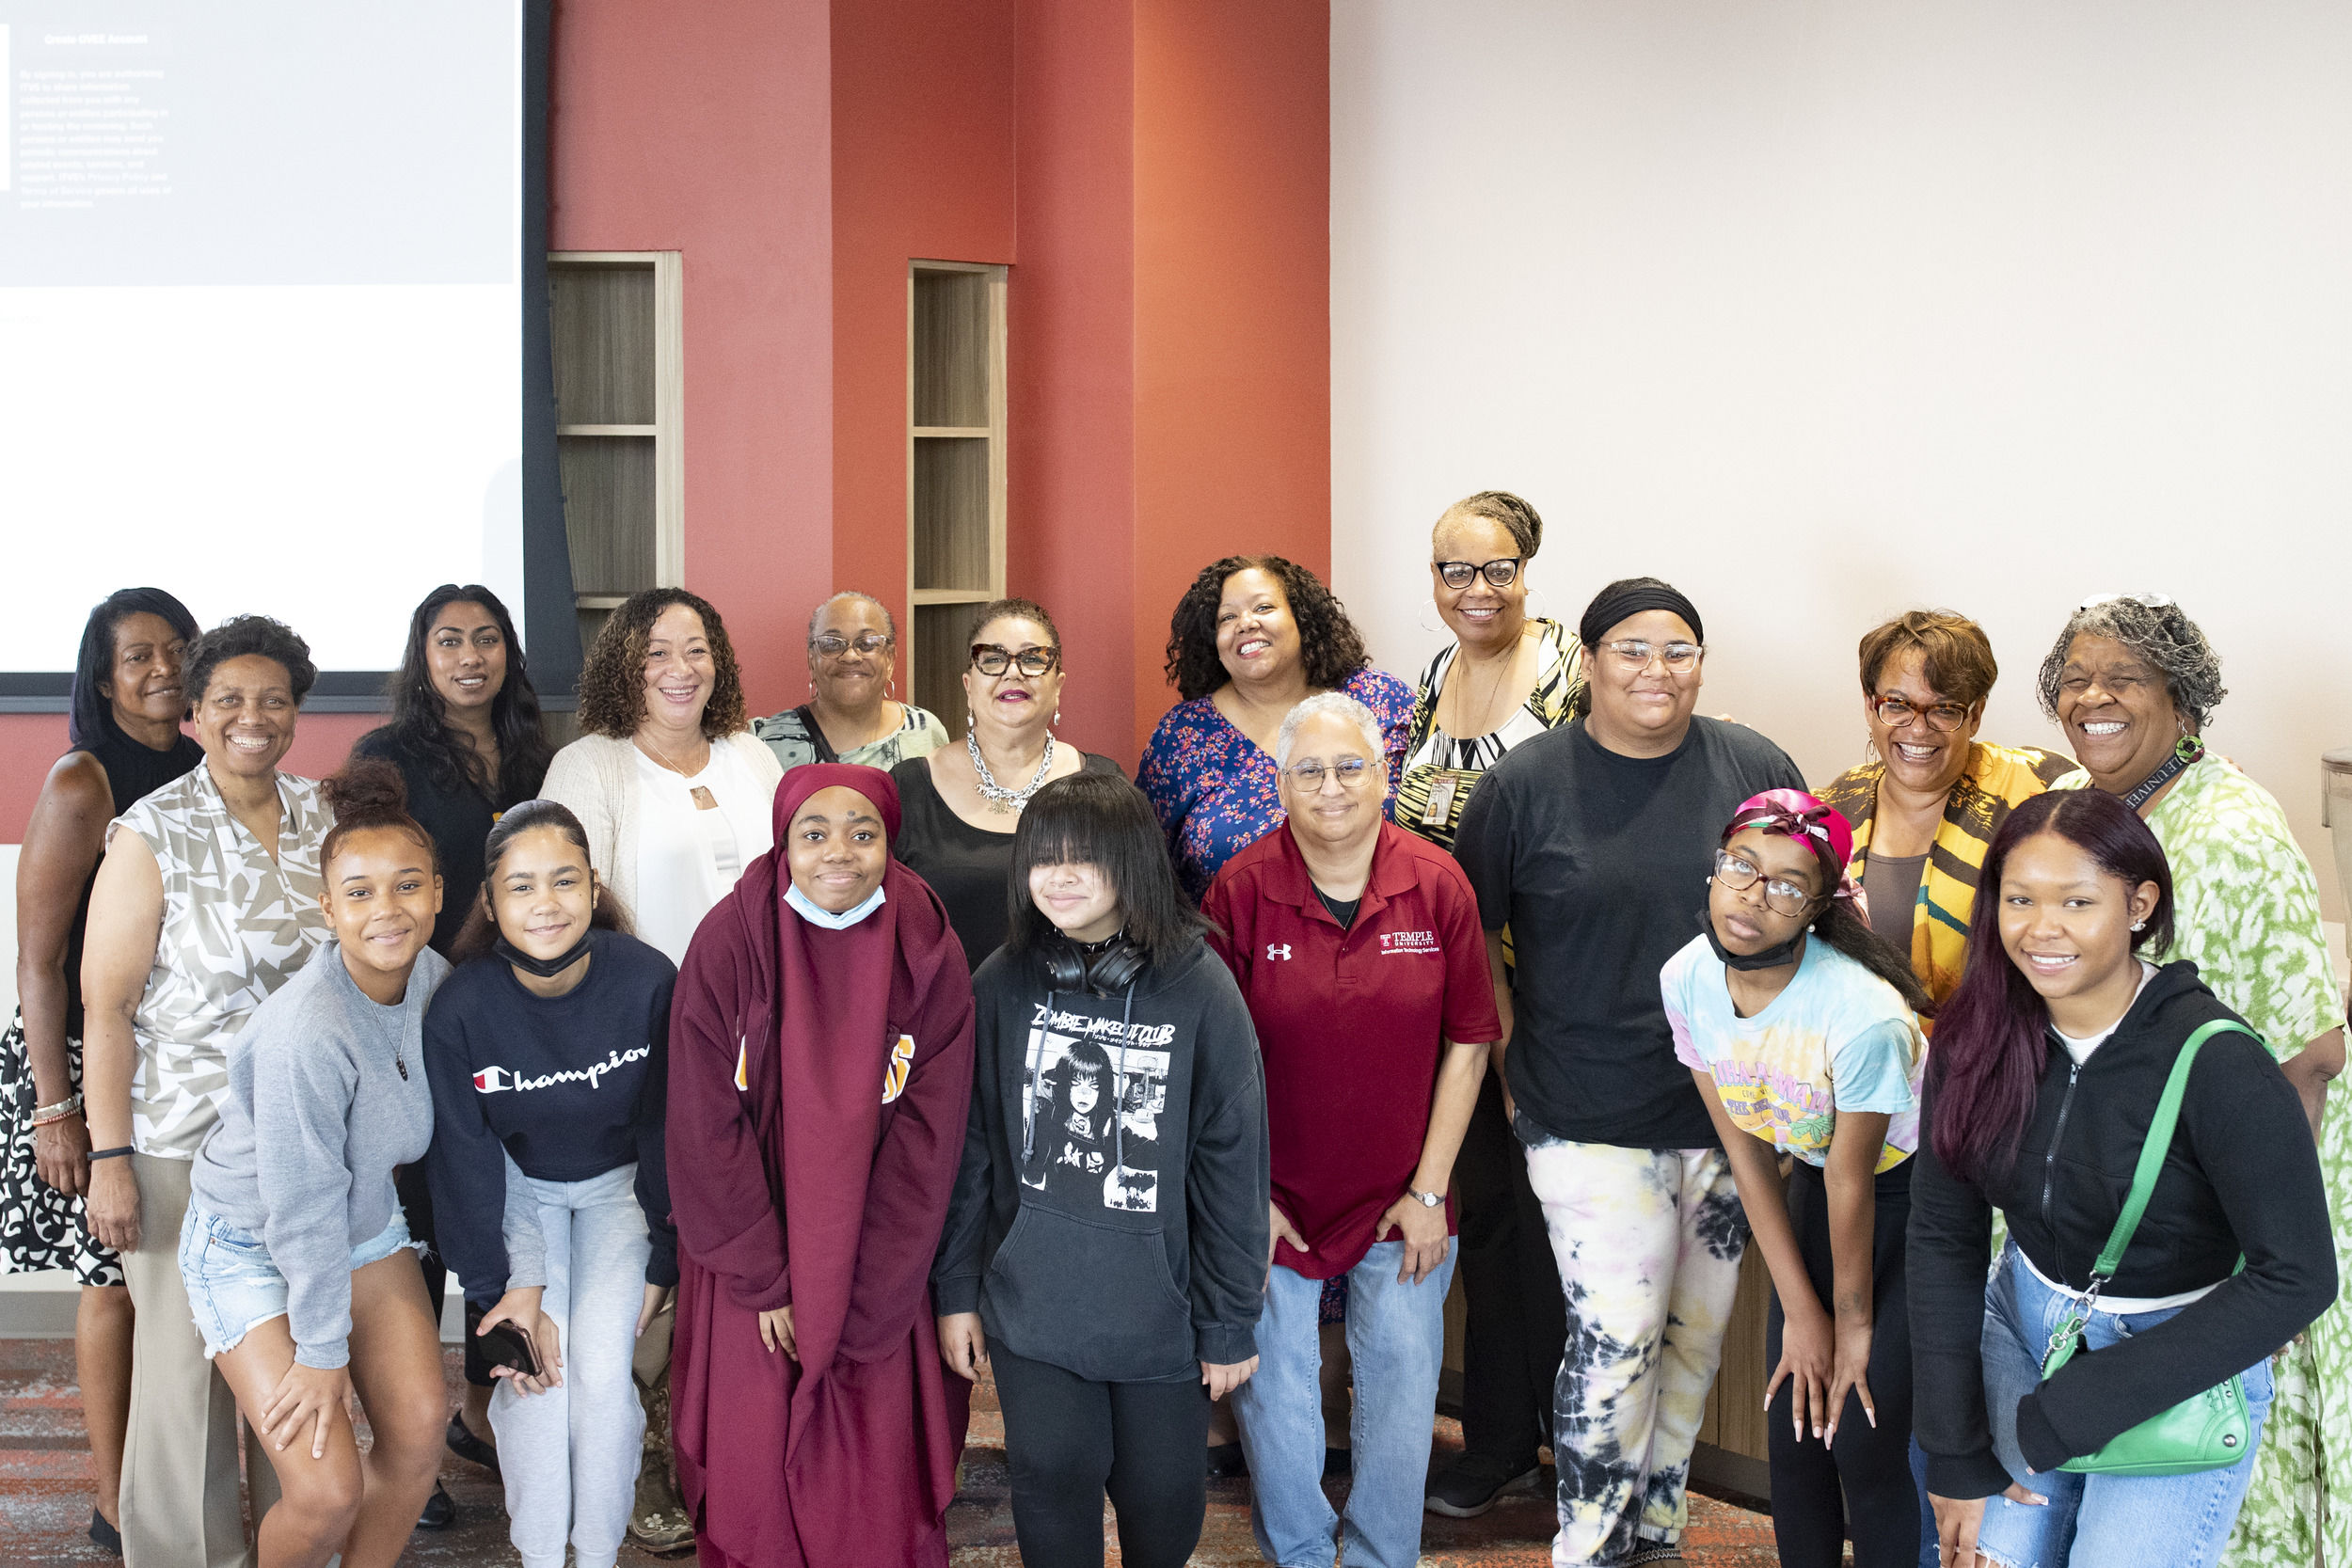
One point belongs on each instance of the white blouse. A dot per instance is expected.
(689, 856)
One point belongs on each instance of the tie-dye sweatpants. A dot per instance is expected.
(1648, 1244)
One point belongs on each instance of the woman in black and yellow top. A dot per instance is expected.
(1506, 677)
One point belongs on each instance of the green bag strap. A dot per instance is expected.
(2151, 1153)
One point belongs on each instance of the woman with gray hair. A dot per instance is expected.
(2133, 683)
(850, 714)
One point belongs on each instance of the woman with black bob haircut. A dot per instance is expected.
(2049, 1064)
(468, 738)
(1114, 1297)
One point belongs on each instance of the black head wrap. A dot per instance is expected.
(1630, 597)
(91, 717)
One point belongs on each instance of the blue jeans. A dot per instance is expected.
(1396, 1335)
(2094, 1521)
(234, 1287)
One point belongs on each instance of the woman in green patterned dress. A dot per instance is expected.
(2133, 683)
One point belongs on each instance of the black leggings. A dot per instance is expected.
(1069, 1441)
(416, 1202)
(1516, 1323)
(1866, 1487)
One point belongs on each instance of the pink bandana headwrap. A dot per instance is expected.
(1793, 813)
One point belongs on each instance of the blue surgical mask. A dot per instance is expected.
(831, 921)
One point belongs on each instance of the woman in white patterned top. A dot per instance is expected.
(207, 902)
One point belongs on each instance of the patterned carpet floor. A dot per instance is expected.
(44, 1507)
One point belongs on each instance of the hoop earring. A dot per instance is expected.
(1421, 620)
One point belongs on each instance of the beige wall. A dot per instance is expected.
(1825, 311)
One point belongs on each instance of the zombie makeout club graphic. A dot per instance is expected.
(1097, 1091)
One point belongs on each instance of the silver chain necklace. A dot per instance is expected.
(996, 795)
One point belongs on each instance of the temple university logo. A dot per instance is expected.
(1407, 941)
(1275, 950)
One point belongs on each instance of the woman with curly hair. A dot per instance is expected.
(666, 776)
(1252, 637)
(2133, 683)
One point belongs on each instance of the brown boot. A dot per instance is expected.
(658, 1523)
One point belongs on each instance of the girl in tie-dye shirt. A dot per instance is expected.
(1800, 1027)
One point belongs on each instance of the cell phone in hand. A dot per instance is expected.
(505, 1345)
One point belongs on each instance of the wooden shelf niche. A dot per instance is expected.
(955, 470)
(616, 326)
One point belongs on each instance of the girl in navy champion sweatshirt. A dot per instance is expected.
(546, 1051)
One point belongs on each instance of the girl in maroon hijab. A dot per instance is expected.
(820, 1068)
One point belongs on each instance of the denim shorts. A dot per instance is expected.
(233, 1285)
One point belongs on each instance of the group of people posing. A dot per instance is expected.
(766, 1082)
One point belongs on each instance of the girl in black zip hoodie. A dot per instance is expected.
(1105, 1248)
(2044, 1076)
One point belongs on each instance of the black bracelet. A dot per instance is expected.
(96, 1154)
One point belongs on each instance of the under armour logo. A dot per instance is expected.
(1275, 951)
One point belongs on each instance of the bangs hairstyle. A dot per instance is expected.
(1957, 656)
(1989, 1041)
(244, 636)
(91, 717)
(480, 933)
(368, 794)
(1330, 646)
(1101, 821)
(613, 682)
(420, 723)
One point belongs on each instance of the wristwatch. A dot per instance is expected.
(1427, 1200)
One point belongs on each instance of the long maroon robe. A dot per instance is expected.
(845, 1457)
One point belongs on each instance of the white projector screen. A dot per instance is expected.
(260, 314)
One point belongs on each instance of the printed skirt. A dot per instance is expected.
(41, 1227)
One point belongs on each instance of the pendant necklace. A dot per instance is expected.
(999, 799)
(704, 800)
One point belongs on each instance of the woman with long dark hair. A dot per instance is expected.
(468, 738)
(1113, 1283)
(124, 739)
(2050, 1061)
(1800, 1026)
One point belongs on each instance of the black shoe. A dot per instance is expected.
(1225, 1460)
(465, 1444)
(1337, 1466)
(1472, 1484)
(440, 1510)
(104, 1535)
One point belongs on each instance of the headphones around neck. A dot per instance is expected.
(1107, 970)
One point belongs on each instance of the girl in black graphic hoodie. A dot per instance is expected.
(1112, 1280)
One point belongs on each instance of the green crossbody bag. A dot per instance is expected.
(2210, 1431)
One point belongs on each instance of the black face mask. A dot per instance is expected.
(545, 969)
(1771, 957)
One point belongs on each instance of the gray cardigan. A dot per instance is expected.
(316, 1115)
(596, 777)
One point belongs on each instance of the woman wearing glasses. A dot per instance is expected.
(1926, 806)
(850, 716)
(1252, 637)
(1506, 677)
(2133, 683)
(960, 804)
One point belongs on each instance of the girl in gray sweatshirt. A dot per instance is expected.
(294, 1250)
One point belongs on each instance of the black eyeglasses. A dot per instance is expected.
(1943, 718)
(833, 645)
(1501, 572)
(990, 659)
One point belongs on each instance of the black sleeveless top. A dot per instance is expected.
(133, 771)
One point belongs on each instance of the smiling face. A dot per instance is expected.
(1334, 816)
(837, 850)
(542, 894)
(1743, 917)
(1643, 710)
(464, 656)
(245, 717)
(852, 681)
(1012, 700)
(2117, 712)
(381, 894)
(680, 673)
(1482, 615)
(1077, 898)
(1918, 755)
(2066, 920)
(1257, 636)
(144, 685)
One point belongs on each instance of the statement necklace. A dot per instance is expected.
(998, 798)
(2186, 750)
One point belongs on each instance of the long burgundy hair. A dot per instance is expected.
(1990, 1047)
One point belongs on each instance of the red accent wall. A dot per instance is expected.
(30, 744)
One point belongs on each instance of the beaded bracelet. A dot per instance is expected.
(45, 1114)
(98, 1154)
